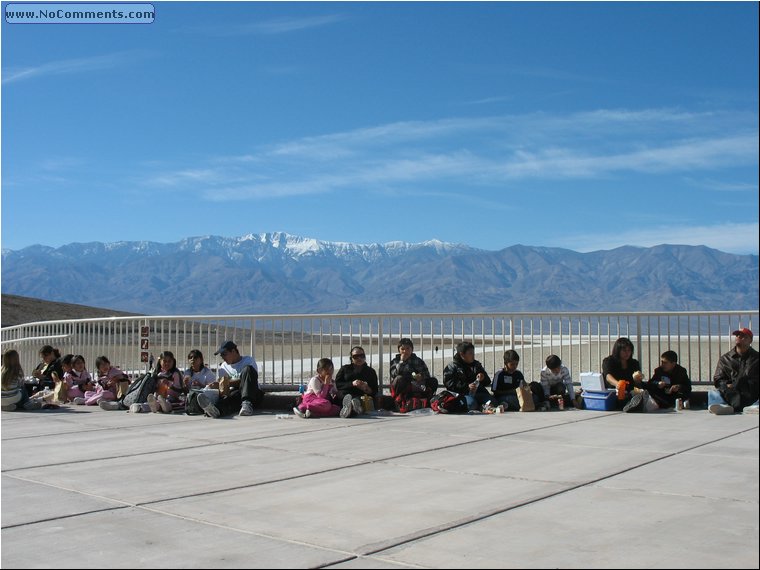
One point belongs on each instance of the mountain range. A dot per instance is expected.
(281, 273)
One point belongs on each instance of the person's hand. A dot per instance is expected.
(661, 384)
(481, 376)
(37, 374)
(474, 386)
(638, 376)
(357, 383)
(674, 389)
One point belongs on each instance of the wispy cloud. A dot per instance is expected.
(487, 100)
(271, 27)
(68, 66)
(722, 185)
(741, 238)
(482, 151)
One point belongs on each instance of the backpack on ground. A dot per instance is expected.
(448, 403)
(138, 391)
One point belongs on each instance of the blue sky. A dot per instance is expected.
(585, 126)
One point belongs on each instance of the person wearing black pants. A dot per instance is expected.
(238, 384)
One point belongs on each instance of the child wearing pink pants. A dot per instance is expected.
(108, 382)
(78, 379)
(316, 400)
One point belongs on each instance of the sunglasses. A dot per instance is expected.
(358, 356)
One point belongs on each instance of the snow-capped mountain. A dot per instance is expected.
(282, 273)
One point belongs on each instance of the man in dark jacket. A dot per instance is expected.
(736, 377)
(467, 377)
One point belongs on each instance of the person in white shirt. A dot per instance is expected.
(198, 375)
(556, 381)
(238, 384)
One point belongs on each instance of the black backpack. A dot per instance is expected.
(138, 391)
(448, 403)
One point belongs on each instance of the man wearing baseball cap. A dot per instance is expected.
(238, 384)
(736, 377)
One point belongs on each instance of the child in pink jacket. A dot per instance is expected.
(316, 400)
(78, 379)
(107, 385)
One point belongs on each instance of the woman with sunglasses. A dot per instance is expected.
(355, 380)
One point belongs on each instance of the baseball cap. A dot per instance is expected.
(745, 331)
(225, 346)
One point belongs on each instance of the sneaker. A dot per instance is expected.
(33, 405)
(721, 409)
(208, 408)
(79, 401)
(135, 409)
(753, 409)
(153, 403)
(636, 404)
(345, 411)
(299, 413)
(357, 405)
(109, 405)
(650, 405)
(166, 407)
(307, 414)
(246, 409)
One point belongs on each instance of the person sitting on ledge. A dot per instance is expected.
(318, 399)
(411, 383)
(354, 381)
(467, 377)
(238, 384)
(736, 377)
(619, 367)
(49, 371)
(669, 382)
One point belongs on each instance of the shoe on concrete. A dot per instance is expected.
(753, 409)
(135, 409)
(33, 404)
(299, 413)
(356, 403)
(153, 403)
(166, 407)
(246, 409)
(636, 404)
(721, 409)
(109, 405)
(345, 411)
(79, 401)
(307, 414)
(208, 408)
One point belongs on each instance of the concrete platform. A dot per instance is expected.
(85, 488)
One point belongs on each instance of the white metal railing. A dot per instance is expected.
(287, 347)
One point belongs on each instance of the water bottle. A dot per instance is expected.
(301, 389)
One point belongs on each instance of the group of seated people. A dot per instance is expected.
(354, 390)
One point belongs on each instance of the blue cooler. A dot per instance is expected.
(601, 401)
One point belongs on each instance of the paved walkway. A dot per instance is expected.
(85, 488)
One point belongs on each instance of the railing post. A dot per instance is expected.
(381, 365)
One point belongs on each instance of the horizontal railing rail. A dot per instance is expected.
(287, 347)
